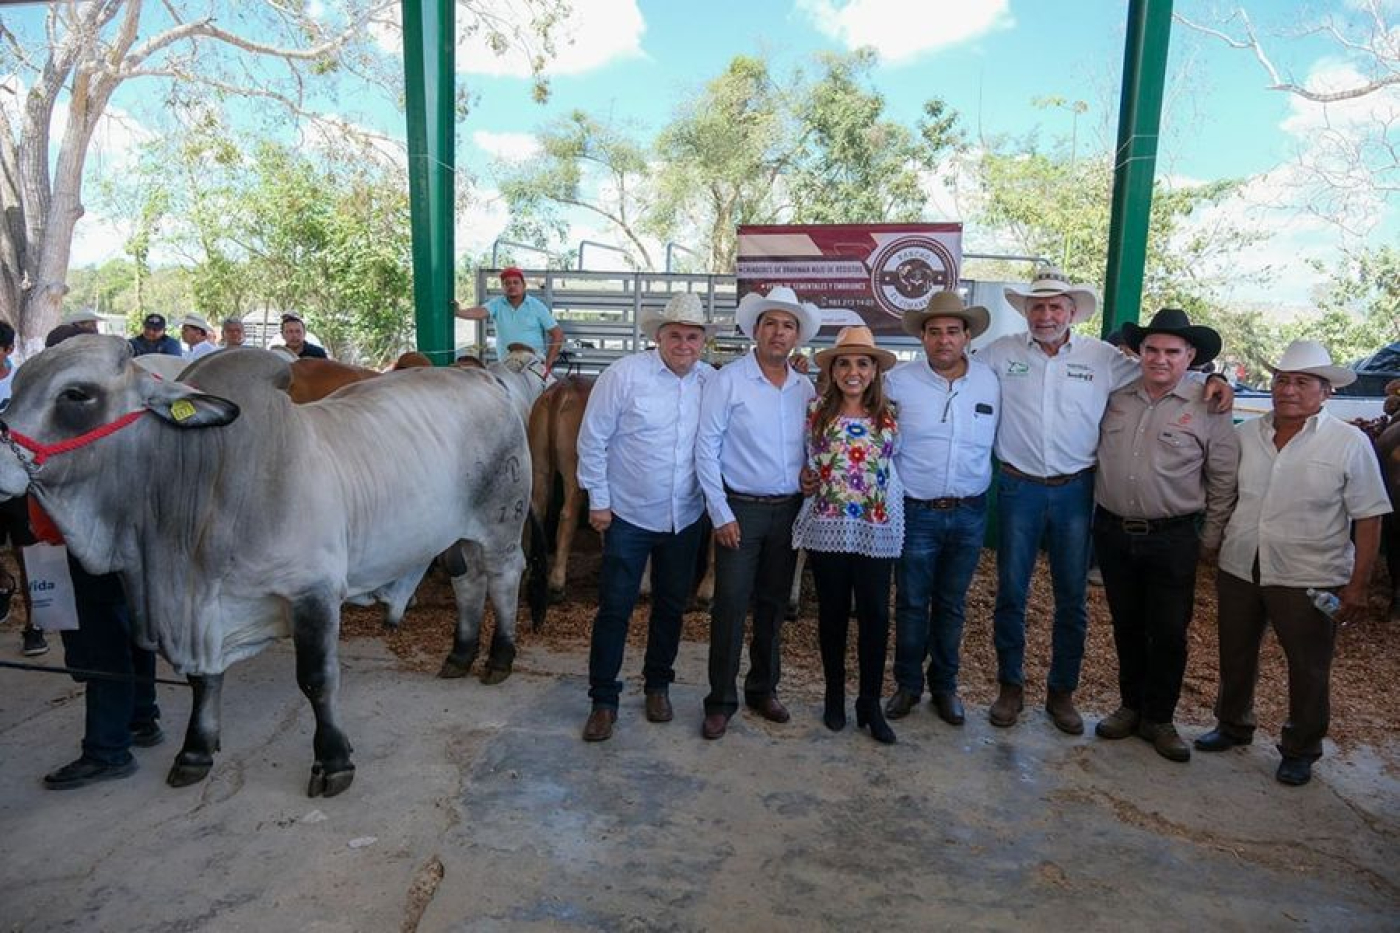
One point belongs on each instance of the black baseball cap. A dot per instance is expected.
(154, 320)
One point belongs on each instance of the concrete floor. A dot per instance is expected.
(478, 808)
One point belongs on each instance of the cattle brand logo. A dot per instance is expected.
(182, 410)
(1014, 368)
(907, 270)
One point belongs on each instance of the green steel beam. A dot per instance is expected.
(429, 61)
(1139, 117)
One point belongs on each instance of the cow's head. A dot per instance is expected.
(67, 396)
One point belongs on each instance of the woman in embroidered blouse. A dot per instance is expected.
(853, 525)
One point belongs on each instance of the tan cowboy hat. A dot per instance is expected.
(779, 298)
(1312, 358)
(194, 320)
(1051, 282)
(948, 304)
(855, 341)
(683, 308)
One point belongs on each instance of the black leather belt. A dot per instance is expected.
(762, 500)
(946, 503)
(1010, 470)
(1144, 526)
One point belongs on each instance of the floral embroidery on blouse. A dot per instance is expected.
(858, 506)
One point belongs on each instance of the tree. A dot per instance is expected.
(270, 50)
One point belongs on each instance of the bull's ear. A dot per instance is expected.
(186, 408)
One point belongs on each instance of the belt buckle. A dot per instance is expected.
(943, 504)
(1136, 526)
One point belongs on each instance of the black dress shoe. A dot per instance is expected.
(770, 709)
(1295, 772)
(901, 703)
(147, 735)
(1217, 740)
(87, 771)
(949, 708)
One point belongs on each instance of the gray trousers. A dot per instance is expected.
(1307, 637)
(759, 571)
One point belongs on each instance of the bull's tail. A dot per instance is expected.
(537, 587)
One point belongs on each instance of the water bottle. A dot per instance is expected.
(1326, 603)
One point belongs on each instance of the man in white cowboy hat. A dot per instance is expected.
(1308, 484)
(636, 459)
(948, 410)
(195, 332)
(84, 319)
(1166, 464)
(749, 454)
(1054, 388)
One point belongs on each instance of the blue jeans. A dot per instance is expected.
(626, 548)
(1028, 513)
(103, 642)
(941, 548)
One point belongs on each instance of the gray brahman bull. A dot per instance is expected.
(234, 516)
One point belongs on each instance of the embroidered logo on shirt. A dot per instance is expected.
(1081, 371)
(1185, 419)
(1015, 368)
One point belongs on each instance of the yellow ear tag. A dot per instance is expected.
(182, 410)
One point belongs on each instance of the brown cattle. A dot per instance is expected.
(313, 379)
(553, 431)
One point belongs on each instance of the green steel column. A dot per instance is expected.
(429, 61)
(1139, 116)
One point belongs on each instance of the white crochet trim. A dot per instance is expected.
(844, 535)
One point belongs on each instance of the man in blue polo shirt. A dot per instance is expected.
(518, 318)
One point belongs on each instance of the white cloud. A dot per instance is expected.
(593, 34)
(508, 147)
(901, 30)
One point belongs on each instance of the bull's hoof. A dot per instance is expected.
(185, 773)
(492, 675)
(452, 668)
(329, 783)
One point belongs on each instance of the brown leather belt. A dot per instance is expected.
(946, 503)
(1010, 470)
(1143, 526)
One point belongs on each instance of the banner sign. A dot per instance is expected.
(855, 273)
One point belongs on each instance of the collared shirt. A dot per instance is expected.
(530, 323)
(751, 435)
(1296, 505)
(1052, 405)
(1167, 458)
(947, 429)
(203, 348)
(636, 445)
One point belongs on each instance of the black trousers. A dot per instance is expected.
(1150, 582)
(838, 578)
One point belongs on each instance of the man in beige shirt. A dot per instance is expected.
(1164, 459)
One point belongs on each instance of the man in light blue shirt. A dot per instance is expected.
(636, 460)
(518, 318)
(749, 453)
(948, 411)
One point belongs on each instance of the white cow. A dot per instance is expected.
(257, 518)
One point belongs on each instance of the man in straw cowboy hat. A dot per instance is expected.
(196, 332)
(636, 459)
(948, 410)
(1308, 483)
(749, 454)
(1054, 388)
(1165, 460)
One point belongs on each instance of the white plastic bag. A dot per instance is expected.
(50, 587)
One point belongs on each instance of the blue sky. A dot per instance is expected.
(987, 58)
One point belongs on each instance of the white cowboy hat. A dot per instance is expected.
(1051, 282)
(683, 308)
(779, 298)
(855, 341)
(82, 316)
(1312, 358)
(948, 304)
(194, 320)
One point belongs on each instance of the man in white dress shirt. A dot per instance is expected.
(195, 332)
(1307, 482)
(749, 453)
(948, 409)
(1055, 386)
(636, 460)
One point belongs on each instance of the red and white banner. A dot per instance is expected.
(855, 273)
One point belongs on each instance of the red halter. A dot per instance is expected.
(43, 452)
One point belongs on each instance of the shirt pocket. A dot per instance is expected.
(1179, 453)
